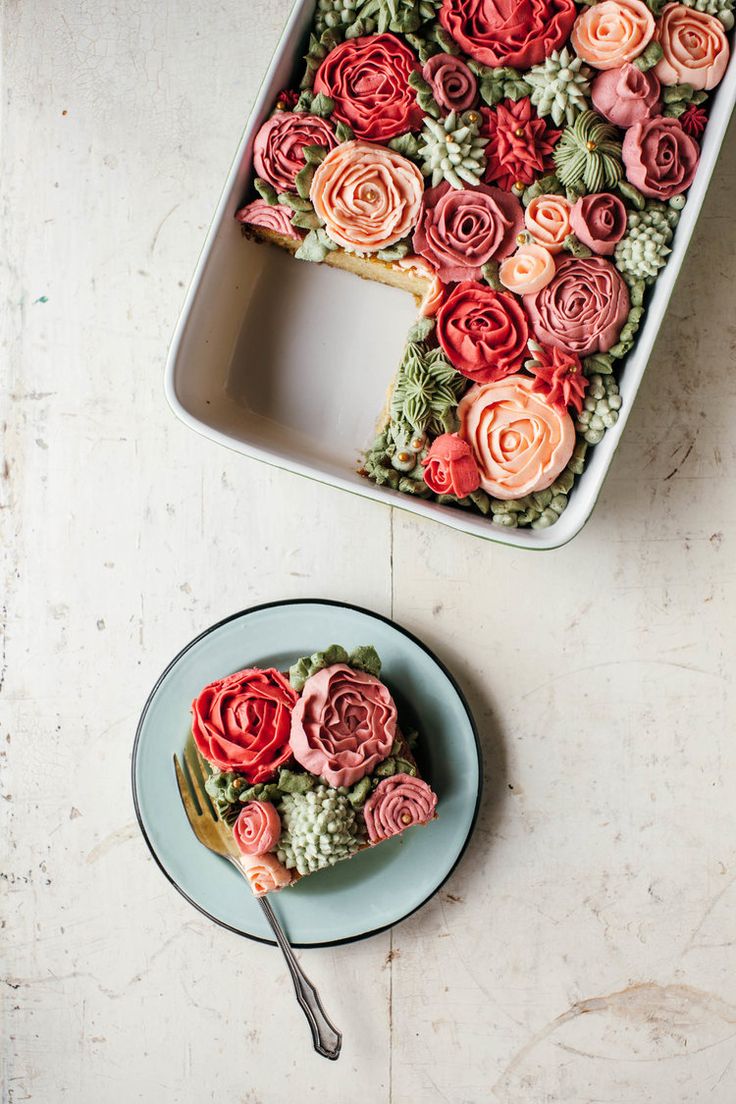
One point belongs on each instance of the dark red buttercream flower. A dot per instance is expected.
(519, 146)
(558, 376)
(694, 120)
(520, 33)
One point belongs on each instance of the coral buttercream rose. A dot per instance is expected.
(265, 873)
(453, 86)
(694, 47)
(612, 32)
(520, 33)
(520, 144)
(368, 196)
(242, 723)
(460, 230)
(521, 443)
(257, 828)
(449, 467)
(660, 158)
(547, 219)
(482, 332)
(530, 269)
(278, 147)
(396, 804)
(626, 96)
(269, 216)
(583, 308)
(343, 725)
(599, 221)
(368, 78)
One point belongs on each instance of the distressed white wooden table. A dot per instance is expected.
(583, 952)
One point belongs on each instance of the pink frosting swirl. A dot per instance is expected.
(520, 442)
(265, 873)
(460, 230)
(453, 86)
(612, 32)
(449, 467)
(626, 96)
(547, 219)
(270, 216)
(482, 332)
(396, 804)
(660, 158)
(257, 828)
(599, 221)
(694, 47)
(583, 308)
(343, 725)
(278, 146)
(368, 196)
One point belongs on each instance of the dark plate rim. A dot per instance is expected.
(305, 602)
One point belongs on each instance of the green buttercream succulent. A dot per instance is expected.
(395, 460)
(318, 48)
(560, 86)
(427, 391)
(542, 508)
(676, 98)
(601, 405)
(588, 155)
(341, 15)
(644, 248)
(319, 829)
(363, 658)
(360, 17)
(453, 150)
(721, 9)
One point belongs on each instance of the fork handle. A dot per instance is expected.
(325, 1036)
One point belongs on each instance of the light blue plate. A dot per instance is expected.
(377, 887)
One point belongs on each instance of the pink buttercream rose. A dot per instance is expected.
(520, 33)
(449, 467)
(396, 804)
(278, 148)
(520, 442)
(265, 874)
(530, 269)
(257, 828)
(694, 47)
(269, 216)
(612, 32)
(482, 332)
(583, 308)
(660, 158)
(453, 85)
(460, 230)
(368, 196)
(599, 221)
(626, 96)
(343, 725)
(547, 218)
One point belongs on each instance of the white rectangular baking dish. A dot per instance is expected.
(289, 362)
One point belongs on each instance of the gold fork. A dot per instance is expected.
(214, 834)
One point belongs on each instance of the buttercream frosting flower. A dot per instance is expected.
(694, 120)
(547, 218)
(482, 332)
(599, 221)
(257, 828)
(694, 47)
(242, 723)
(265, 873)
(449, 467)
(626, 96)
(453, 85)
(460, 230)
(396, 804)
(343, 725)
(558, 376)
(432, 299)
(521, 443)
(278, 147)
(269, 216)
(530, 269)
(582, 309)
(520, 144)
(610, 33)
(520, 33)
(369, 197)
(368, 79)
(660, 158)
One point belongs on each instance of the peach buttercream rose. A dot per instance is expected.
(530, 269)
(694, 47)
(613, 32)
(265, 873)
(368, 196)
(520, 442)
(547, 219)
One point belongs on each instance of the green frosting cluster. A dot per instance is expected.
(560, 87)
(588, 155)
(228, 790)
(319, 829)
(453, 150)
(363, 658)
(721, 9)
(542, 508)
(427, 391)
(644, 248)
(600, 408)
(503, 83)
(677, 97)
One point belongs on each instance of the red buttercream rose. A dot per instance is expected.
(583, 308)
(278, 147)
(660, 158)
(599, 221)
(449, 467)
(483, 332)
(459, 230)
(520, 144)
(520, 33)
(242, 723)
(368, 78)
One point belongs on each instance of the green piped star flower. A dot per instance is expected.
(560, 87)
(588, 155)
(453, 150)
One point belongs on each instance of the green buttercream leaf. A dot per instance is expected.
(574, 246)
(297, 203)
(490, 275)
(305, 220)
(303, 180)
(314, 155)
(365, 658)
(343, 132)
(650, 57)
(600, 364)
(307, 666)
(322, 105)
(266, 191)
(420, 330)
(386, 768)
(295, 782)
(394, 252)
(634, 196)
(403, 766)
(360, 793)
(407, 145)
